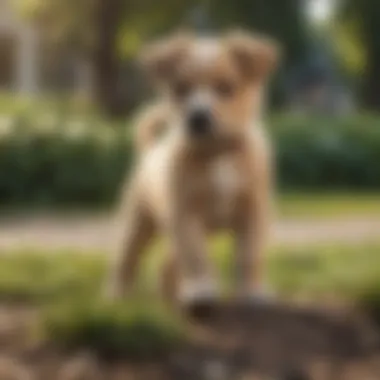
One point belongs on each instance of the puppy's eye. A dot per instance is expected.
(225, 89)
(181, 89)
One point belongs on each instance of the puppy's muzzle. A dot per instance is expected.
(199, 123)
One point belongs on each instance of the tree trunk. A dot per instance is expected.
(371, 85)
(369, 13)
(106, 59)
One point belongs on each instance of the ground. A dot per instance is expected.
(228, 342)
(95, 231)
(322, 325)
(302, 219)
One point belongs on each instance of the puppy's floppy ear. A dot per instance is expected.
(257, 56)
(161, 58)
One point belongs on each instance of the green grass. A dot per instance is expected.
(346, 272)
(135, 329)
(67, 286)
(40, 277)
(45, 277)
(329, 205)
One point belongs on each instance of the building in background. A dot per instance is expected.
(18, 52)
(28, 66)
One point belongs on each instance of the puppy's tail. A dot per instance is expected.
(150, 124)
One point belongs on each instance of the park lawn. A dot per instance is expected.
(313, 272)
(66, 288)
(328, 205)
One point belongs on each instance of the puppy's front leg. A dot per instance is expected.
(188, 240)
(186, 229)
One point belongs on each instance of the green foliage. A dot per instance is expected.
(135, 330)
(328, 154)
(50, 159)
(283, 20)
(68, 286)
(364, 15)
(75, 23)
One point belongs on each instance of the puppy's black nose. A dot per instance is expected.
(199, 122)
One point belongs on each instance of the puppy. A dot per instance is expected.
(211, 170)
(149, 124)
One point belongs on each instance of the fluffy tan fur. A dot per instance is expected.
(188, 189)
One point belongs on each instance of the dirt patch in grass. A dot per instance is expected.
(226, 341)
(223, 341)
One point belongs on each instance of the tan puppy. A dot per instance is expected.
(210, 171)
(150, 123)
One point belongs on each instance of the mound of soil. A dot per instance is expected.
(228, 342)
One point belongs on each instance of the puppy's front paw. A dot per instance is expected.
(199, 297)
(258, 296)
(198, 291)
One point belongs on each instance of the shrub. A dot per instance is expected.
(131, 329)
(328, 153)
(78, 162)
(53, 159)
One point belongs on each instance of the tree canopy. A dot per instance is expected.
(111, 32)
(360, 19)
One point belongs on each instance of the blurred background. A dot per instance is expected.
(86, 49)
(69, 86)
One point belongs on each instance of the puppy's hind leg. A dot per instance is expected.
(135, 229)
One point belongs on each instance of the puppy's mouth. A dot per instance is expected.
(213, 143)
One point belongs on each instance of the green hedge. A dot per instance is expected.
(136, 330)
(53, 159)
(328, 154)
(47, 162)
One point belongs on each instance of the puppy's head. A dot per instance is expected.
(214, 84)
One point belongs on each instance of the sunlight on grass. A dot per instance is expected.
(38, 277)
(329, 205)
(314, 272)
(67, 285)
(342, 270)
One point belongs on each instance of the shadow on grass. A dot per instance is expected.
(133, 329)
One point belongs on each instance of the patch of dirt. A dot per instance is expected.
(228, 342)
